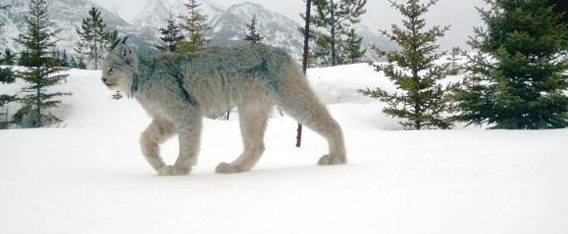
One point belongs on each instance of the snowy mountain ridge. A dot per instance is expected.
(228, 25)
(277, 29)
(67, 16)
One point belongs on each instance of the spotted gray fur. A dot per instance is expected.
(178, 90)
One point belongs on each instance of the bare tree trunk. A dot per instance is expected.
(333, 36)
(305, 61)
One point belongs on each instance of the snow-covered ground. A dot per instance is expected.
(88, 176)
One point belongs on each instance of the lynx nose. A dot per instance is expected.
(104, 79)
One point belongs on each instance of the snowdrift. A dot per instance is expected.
(87, 176)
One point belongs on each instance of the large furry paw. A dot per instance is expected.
(173, 171)
(226, 168)
(328, 160)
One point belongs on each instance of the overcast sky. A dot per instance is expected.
(460, 14)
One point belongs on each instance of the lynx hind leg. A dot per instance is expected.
(253, 119)
(300, 102)
(156, 133)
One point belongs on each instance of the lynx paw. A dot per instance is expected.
(173, 171)
(226, 168)
(327, 160)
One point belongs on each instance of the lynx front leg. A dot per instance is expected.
(189, 133)
(158, 132)
(253, 119)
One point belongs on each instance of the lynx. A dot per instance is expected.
(178, 90)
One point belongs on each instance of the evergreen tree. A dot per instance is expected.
(171, 36)
(94, 39)
(111, 37)
(320, 54)
(6, 74)
(6, 77)
(518, 78)
(56, 55)
(24, 57)
(42, 70)
(333, 21)
(73, 62)
(353, 46)
(61, 58)
(560, 6)
(195, 25)
(9, 58)
(81, 64)
(252, 35)
(420, 100)
(64, 59)
(454, 60)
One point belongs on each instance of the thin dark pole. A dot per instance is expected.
(333, 49)
(305, 62)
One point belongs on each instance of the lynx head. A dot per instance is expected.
(119, 67)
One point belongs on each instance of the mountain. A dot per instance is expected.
(67, 16)
(156, 12)
(228, 25)
(277, 30)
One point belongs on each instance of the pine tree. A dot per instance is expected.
(65, 59)
(56, 55)
(6, 77)
(456, 56)
(6, 74)
(252, 35)
(94, 39)
(171, 36)
(60, 57)
(42, 70)
(23, 58)
(333, 21)
(81, 64)
(352, 46)
(561, 7)
(420, 100)
(73, 62)
(518, 78)
(111, 37)
(195, 25)
(9, 58)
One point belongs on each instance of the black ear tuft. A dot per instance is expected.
(124, 40)
(114, 44)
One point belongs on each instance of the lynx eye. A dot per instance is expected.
(109, 70)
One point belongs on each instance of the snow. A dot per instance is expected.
(87, 175)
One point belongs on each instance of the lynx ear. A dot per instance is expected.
(115, 44)
(119, 41)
